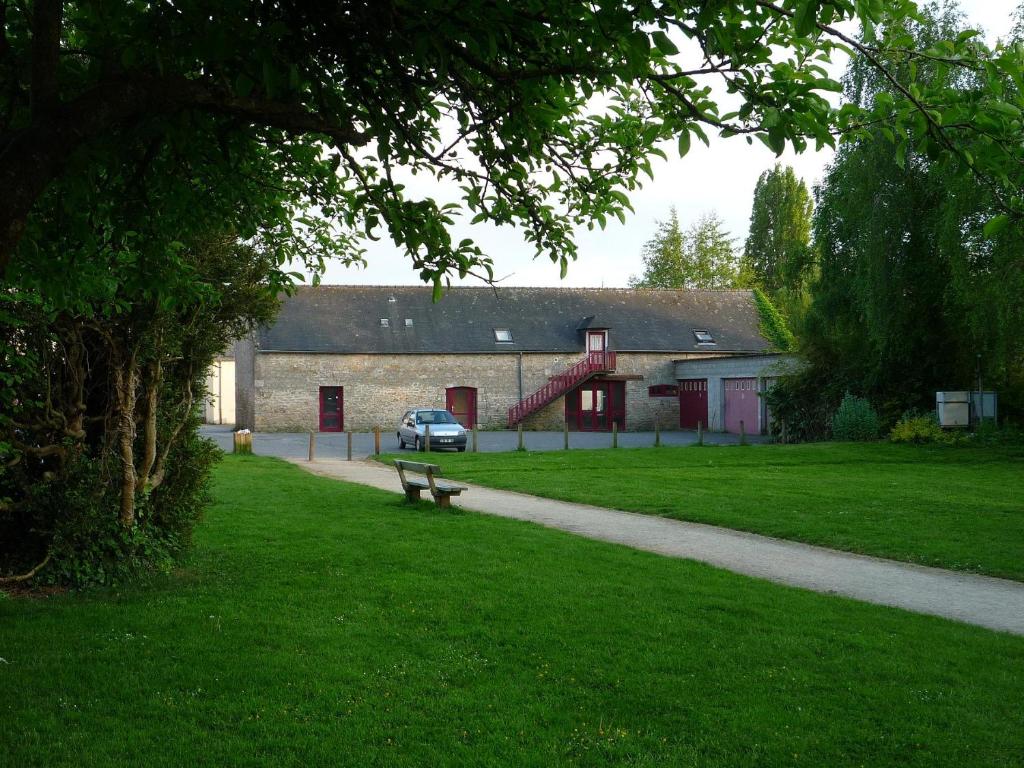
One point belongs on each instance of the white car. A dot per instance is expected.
(445, 430)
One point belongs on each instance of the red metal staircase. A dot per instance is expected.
(593, 364)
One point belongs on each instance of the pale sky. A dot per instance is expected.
(720, 178)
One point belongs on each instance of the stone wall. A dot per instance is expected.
(379, 388)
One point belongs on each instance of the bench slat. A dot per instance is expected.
(442, 486)
(418, 468)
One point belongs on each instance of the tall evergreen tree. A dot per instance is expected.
(701, 257)
(777, 254)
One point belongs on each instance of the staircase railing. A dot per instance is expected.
(593, 363)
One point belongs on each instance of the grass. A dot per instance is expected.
(952, 507)
(322, 624)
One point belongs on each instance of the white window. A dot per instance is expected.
(503, 335)
(384, 322)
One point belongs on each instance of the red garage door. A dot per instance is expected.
(741, 404)
(693, 403)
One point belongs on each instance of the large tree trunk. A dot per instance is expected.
(126, 382)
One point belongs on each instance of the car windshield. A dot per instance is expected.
(435, 417)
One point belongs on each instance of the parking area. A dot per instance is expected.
(333, 445)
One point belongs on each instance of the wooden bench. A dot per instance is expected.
(441, 490)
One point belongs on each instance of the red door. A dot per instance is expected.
(332, 417)
(741, 404)
(596, 405)
(693, 403)
(461, 402)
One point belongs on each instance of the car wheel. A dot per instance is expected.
(462, 448)
(419, 445)
(401, 442)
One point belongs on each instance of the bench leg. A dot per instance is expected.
(444, 500)
(412, 494)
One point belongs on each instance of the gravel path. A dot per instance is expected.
(988, 602)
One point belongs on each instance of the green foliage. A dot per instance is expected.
(855, 420)
(113, 381)
(777, 254)
(86, 543)
(302, 126)
(805, 401)
(918, 429)
(701, 257)
(773, 324)
(911, 287)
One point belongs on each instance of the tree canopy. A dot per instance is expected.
(299, 120)
(777, 253)
(917, 289)
(701, 257)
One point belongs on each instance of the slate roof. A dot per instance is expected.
(347, 319)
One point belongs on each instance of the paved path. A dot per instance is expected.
(332, 445)
(988, 602)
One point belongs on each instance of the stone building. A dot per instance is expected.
(353, 357)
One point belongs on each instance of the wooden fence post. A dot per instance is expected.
(521, 446)
(243, 443)
(349, 441)
(743, 434)
(376, 441)
(657, 433)
(783, 431)
(312, 446)
(426, 437)
(615, 434)
(565, 435)
(474, 439)
(700, 433)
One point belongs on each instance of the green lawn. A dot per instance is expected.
(960, 508)
(321, 624)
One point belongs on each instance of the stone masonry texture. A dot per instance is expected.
(379, 388)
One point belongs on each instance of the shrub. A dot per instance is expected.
(855, 419)
(918, 428)
(804, 403)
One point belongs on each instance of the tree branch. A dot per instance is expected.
(25, 576)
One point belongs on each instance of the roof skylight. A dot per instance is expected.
(503, 335)
(703, 336)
